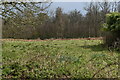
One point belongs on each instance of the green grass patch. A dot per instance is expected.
(58, 59)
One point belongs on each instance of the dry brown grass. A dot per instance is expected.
(10, 39)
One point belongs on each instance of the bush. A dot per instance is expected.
(112, 22)
(112, 28)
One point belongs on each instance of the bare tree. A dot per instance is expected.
(93, 19)
(10, 8)
(118, 7)
(22, 19)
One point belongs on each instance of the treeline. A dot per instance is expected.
(32, 24)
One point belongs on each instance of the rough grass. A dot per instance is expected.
(73, 59)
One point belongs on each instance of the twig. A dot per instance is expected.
(115, 63)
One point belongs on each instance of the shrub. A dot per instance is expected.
(112, 28)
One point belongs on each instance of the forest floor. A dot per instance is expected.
(56, 58)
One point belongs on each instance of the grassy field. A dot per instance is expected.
(73, 59)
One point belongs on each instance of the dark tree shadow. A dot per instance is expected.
(99, 47)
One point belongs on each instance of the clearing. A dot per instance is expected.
(58, 59)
